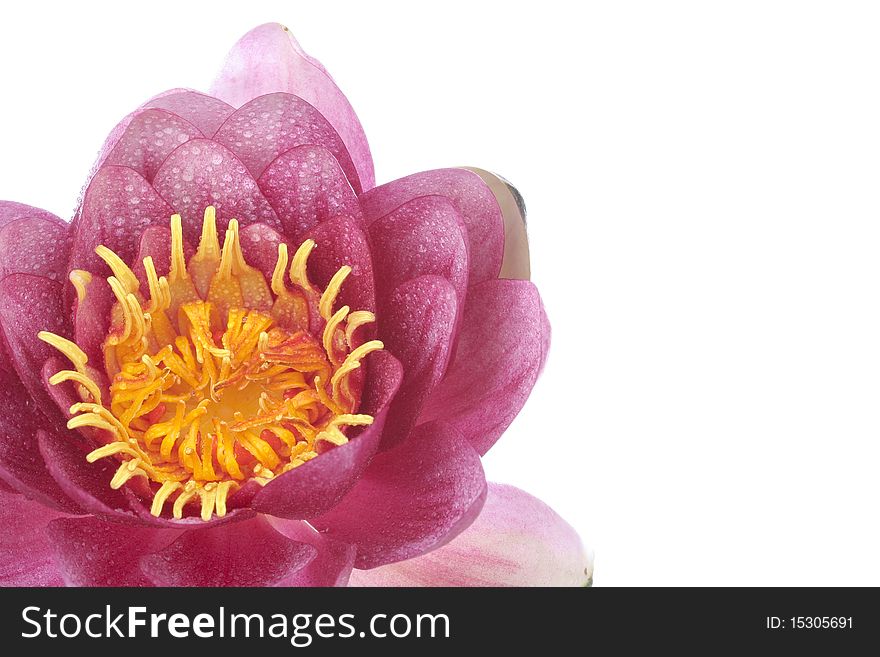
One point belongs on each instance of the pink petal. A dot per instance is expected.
(504, 337)
(470, 196)
(156, 243)
(35, 244)
(306, 186)
(515, 263)
(28, 305)
(24, 543)
(149, 137)
(417, 327)
(411, 499)
(118, 206)
(333, 562)
(269, 125)
(340, 242)
(87, 484)
(202, 173)
(91, 319)
(517, 540)
(205, 112)
(423, 236)
(318, 485)
(268, 59)
(249, 553)
(259, 244)
(21, 465)
(11, 211)
(94, 552)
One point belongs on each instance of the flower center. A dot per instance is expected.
(218, 377)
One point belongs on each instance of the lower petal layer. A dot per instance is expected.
(28, 558)
(517, 540)
(333, 562)
(93, 552)
(411, 499)
(502, 346)
(248, 553)
(36, 245)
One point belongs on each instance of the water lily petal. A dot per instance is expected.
(87, 484)
(21, 465)
(202, 173)
(36, 244)
(259, 244)
(28, 305)
(27, 553)
(340, 241)
(517, 540)
(423, 236)
(91, 319)
(333, 562)
(515, 263)
(502, 347)
(470, 196)
(269, 59)
(205, 112)
(435, 485)
(269, 125)
(119, 204)
(149, 137)
(306, 185)
(417, 326)
(317, 486)
(249, 553)
(156, 243)
(94, 552)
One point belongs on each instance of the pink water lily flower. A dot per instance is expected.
(242, 363)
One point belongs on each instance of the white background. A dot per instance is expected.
(704, 213)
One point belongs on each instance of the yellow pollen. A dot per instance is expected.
(214, 377)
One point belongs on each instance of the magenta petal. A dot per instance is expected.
(87, 484)
(156, 244)
(21, 465)
(332, 565)
(470, 196)
(269, 59)
(28, 305)
(418, 328)
(411, 499)
(91, 320)
(423, 236)
(35, 244)
(202, 173)
(504, 337)
(517, 540)
(94, 552)
(149, 137)
(24, 543)
(204, 112)
(306, 186)
(269, 125)
(249, 553)
(340, 242)
(118, 206)
(259, 244)
(317, 486)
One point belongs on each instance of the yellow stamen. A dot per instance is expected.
(80, 279)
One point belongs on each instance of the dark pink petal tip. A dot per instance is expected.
(411, 499)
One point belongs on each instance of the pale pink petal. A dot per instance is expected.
(411, 499)
(268, 59)
(517, 540)
(501, 349)
(270, 125)
(472, 199)
(205, 112)
(24, 543)
(306, 186)
(249, 553)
